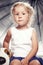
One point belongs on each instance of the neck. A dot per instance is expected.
(22, 27)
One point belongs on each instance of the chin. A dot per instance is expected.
(4, 56)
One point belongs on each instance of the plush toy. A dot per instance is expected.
(4, 56)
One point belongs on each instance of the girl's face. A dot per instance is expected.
(21, 15)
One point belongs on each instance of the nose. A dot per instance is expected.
(20, 16)
(2, 60)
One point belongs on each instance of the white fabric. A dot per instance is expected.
(21, 42)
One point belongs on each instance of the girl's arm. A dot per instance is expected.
(34, 46)
(6, 43)
(7, 40)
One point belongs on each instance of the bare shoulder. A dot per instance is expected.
(9, 32)
(34, 32)
(8, 36)
(34, 36)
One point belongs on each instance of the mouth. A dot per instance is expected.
(20, 20)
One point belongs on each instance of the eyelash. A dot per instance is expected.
(18, 14)
(23, 13)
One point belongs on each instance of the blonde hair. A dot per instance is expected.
(30, 10)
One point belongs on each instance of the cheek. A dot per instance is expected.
(15, 18)
(26, 18)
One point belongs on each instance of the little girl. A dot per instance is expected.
(24, 43)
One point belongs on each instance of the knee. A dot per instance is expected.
(15, 62)
(34, 62)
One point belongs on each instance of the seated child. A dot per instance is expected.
(24, 43)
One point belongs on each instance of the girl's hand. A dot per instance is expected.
(24, 62)
(8, 52)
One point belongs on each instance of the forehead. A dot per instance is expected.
(20, 8)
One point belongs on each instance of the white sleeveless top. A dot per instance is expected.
(21, 41)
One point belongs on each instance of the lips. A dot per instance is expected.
(20, 20)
